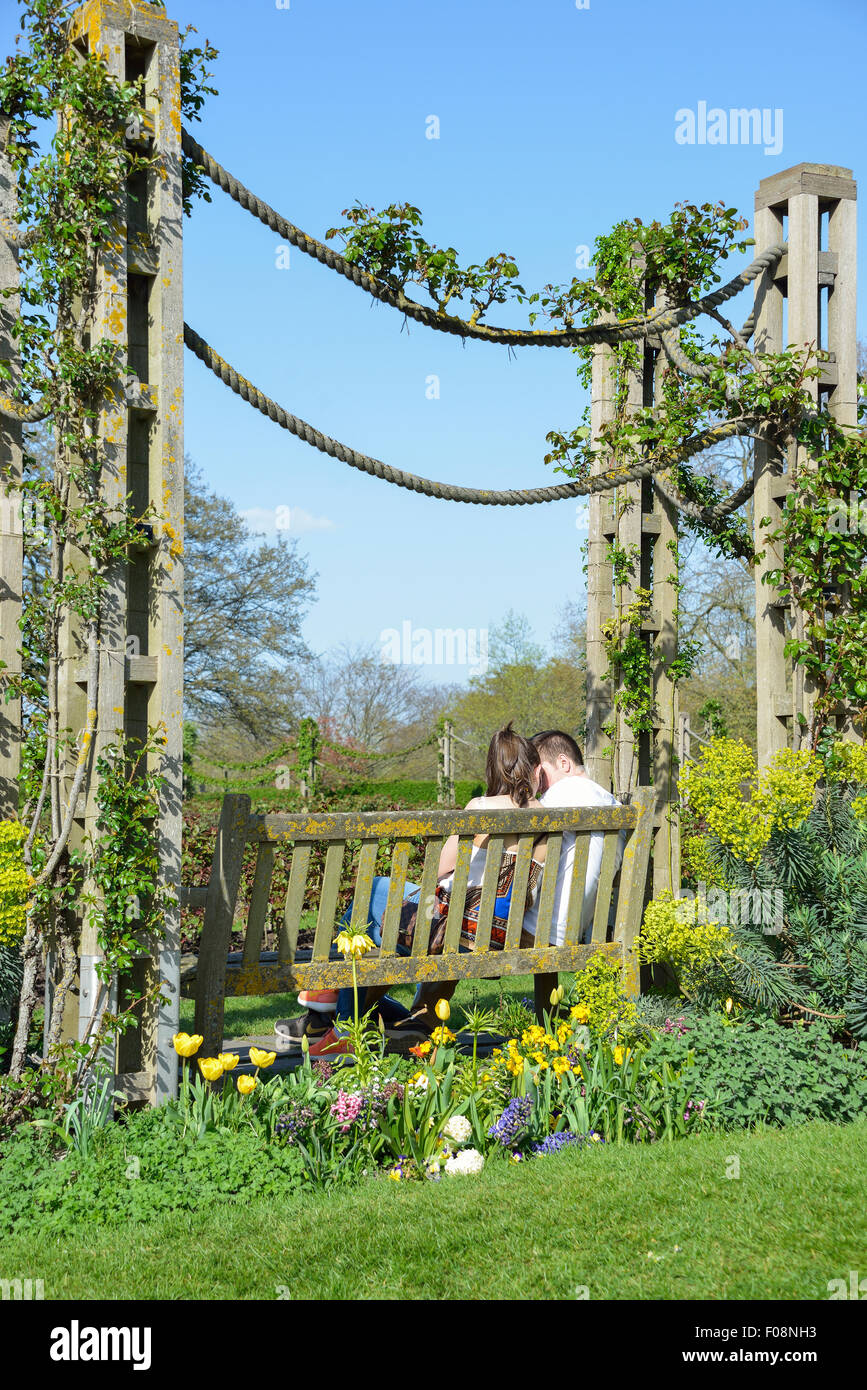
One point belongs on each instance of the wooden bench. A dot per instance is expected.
(216, 973)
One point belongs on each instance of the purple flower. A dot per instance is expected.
(557, 1142)
(512, 1123)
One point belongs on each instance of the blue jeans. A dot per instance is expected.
(390, 1008)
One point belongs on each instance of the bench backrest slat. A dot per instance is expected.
(603, 892)
(490, 876)
(396, 894)
(260, 896)
(458, 898)
(363, 886)
(519, 891)
(421, 936)
(545, 914)
(576, 892)
(325, 922)
(294, 904)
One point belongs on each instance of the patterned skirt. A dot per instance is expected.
(472, 903)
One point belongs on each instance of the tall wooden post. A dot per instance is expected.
(11, 520)
(139, 307)
(814, 285)
(642, 523)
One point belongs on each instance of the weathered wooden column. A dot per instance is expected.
(643, 524)
(814, 283)
(139, 307)
(11, 520)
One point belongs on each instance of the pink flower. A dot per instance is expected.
(346, 1109)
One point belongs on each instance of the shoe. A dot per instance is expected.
(416, 1025)
(332, 1045)
(321, 1001)
(288, 1032)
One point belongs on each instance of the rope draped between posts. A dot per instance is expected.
(452, 492)
(660, 320)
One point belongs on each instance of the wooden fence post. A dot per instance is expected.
(220, 901)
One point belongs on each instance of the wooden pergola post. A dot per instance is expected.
(642, 522)
(139, 306)
(11, 519)
(812, 208)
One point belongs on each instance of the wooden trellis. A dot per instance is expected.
(809, 298)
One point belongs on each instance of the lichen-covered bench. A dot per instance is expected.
(216, 972)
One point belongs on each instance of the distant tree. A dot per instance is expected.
(244, 601)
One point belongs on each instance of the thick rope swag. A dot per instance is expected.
(660, 319)
(451, 492)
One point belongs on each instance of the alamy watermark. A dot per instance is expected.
(442, 646)
(741, 907)
(736, 126)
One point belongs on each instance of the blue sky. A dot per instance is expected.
(554, 123)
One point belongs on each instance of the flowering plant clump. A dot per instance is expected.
(510, 1128)
(468, 1161)
(781, 794)
(601, 1002)
(15, 882)
(291, 1125)
(458, 1128)
(681, 933)
(555, 1143)
(346, 1109)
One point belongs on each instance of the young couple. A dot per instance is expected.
(544, 771)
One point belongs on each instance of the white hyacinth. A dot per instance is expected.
(458, 1128)
(467, 1161)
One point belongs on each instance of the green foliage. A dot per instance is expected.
(820, 869)
(756, 1070)
(137, 1170)
(387, 245)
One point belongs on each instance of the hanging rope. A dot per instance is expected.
(451, 492)
(447, 323)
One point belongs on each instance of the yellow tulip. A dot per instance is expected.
(246, 1084)
(185, 1045)
(229, 1060)
(260, 1058)
(618, 1055)
(211, 1068)
(729, 1005)
(443, 1011)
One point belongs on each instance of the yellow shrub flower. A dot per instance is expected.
(211, 1068)
(560, 1065)
(580, 1013)
(260, 1058)
(246, 1084)
(186, 1045)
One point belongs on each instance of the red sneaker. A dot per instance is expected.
(321, 1001)
(332, 1045)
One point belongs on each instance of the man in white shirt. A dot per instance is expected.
(565, 783)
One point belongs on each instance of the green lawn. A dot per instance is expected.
(249, 1017)
(543, 1229)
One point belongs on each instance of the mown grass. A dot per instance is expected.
(606, 1220)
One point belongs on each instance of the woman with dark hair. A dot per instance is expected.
(512, 774)
(512, 771)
